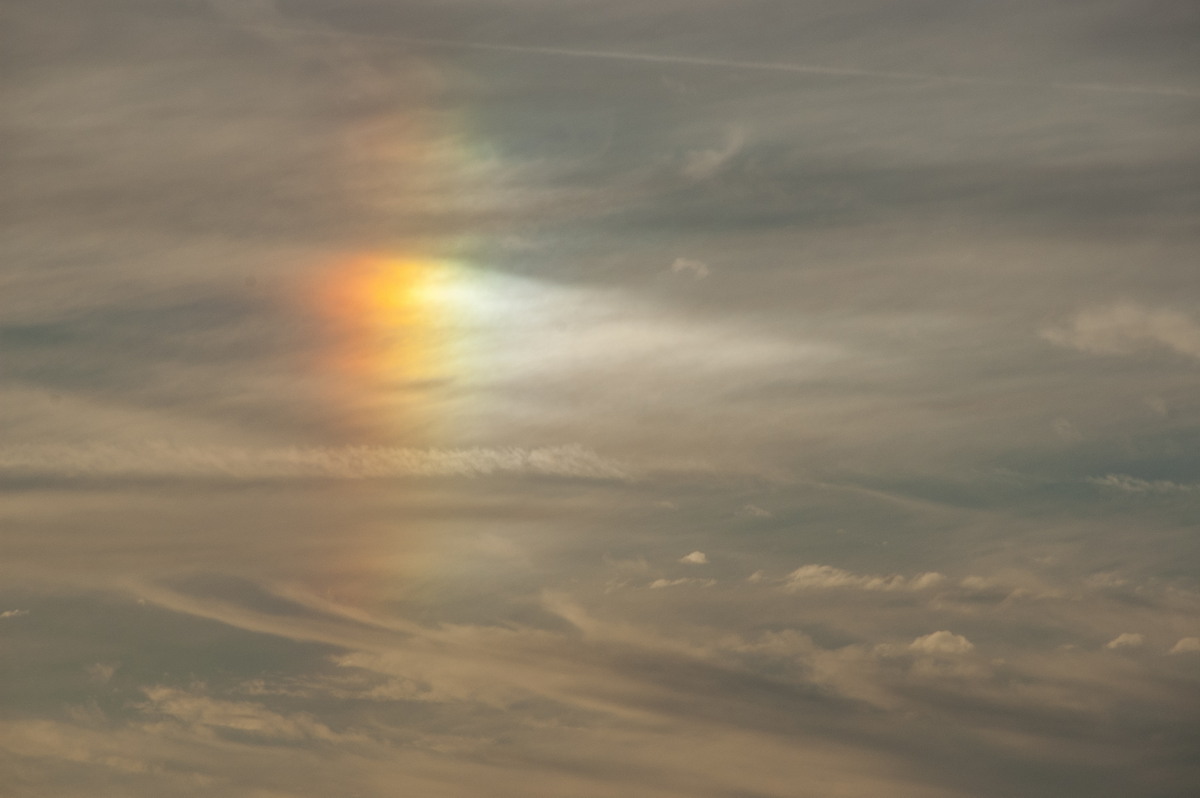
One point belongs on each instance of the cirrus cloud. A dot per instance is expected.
(1127, 328)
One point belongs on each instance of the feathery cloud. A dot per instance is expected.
(1126, 329)
(1124, 482)
(820, 577)
(658, 584)
(301, 462)
(200, 713)
(703, 164)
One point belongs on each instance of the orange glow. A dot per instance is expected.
(392, 323)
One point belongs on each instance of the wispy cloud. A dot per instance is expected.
(658, 584)
(899, 76)
(703, 164)
(1128, 484)
(203, 713)
(765, 282)
(694, 268)
(346, 462)
(1127, 328)
(823, 577)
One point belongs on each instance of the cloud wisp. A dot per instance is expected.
(1125, 329)
(898, 76)
(825, 577)
(166, 461)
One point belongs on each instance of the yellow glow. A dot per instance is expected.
(394, 322)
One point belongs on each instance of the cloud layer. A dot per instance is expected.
(743, 399)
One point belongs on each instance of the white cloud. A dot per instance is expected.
(1186, 645)
(696, 269)
(942, 642)
(1126, 640)
(1130, 484)
(301, 462)
(13, 613)
(658, 584)
(1127, 328)
(817, 577)
(199, 713)
(754, 511)
(695, 558)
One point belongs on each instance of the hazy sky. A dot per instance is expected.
(563, 398)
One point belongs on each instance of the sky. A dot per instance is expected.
(566, 399)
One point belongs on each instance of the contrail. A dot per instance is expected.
(761, 66)
(786, 66)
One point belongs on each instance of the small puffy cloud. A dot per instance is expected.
(1126, 640)
(818, 577)
(690, 268)
(1186, 645)
(13, 613)
(754, 511)
(1127, 328)
(942, 642)
(695, 558)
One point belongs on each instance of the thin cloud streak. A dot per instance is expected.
(300, 462)
(729, 63)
